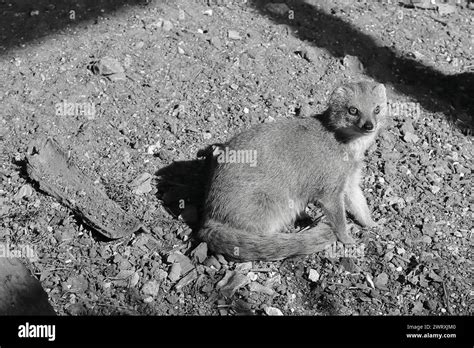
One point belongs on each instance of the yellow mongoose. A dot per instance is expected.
(264, 177)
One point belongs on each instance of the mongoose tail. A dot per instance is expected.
(243, 245)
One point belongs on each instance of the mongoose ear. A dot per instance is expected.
(341, 92)
(379, 89)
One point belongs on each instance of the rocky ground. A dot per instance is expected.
(185, 74)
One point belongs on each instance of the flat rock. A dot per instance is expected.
(257, 287)
(151, 288)
(273, 311)
(200, 252)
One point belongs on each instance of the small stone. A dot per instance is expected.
(221, 259)
(400, 251)
(426, 239)
(257, 287)
(279, 9)
(175, 272)
(216, 42)
(231, 282)
(410, 137)
(110, 68)
(457, 234)
(161, 275)
(142, 184)
(353, 63)
(311, 54)
(183, 260)
(167, 25)
(252, 276)
(134, 279)
(234, 86)
(77, 284)
(180, 50)
(187, 279)
(246, 110)
(243, 267)
(431, 305)
(234, 35)
(388, 256)
(418, 307)
(429, 229)
(24, 192)
(445, 9)
(211, 261)
(148, 299)
(207, 135)
(435, 189)
(200, 252)
(381, 281)
(349, 264)
(207, 12)
(313, 275)
(273, 311)
(151, 288)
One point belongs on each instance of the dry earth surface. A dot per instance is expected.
(197, 72)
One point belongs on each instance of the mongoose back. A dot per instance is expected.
(264, 177)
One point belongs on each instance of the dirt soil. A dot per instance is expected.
(186, 74)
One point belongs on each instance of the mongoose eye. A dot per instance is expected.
(377, 110)
(353, 110)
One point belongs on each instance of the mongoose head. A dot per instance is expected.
(357, 109)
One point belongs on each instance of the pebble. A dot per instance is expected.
(148, 299)
(184, 261)
(142, 184)
(458, 234)
(109, 67)
(161, 275)
(252, 276)
(207, 12)
(426, 239)
(167, 25)
(234, 282)
(180, 50)
(175, 272)
(311, 54)
(388, 256)
(187, 279)
(200, 252)
(381, 281)
(353, 63)
(279, 9)
(273, 311)
(211, 261)
(243, 267)
(257, 287)
(313, 275)
(234, 35)
(207, 135)
(24, 192)
(445, 9)
(151, 288)
(221, 259)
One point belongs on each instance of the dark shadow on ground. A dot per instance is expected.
(435, 91)
(182, 187)
(24, 21)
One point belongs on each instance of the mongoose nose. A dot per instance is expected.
(368, 126)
